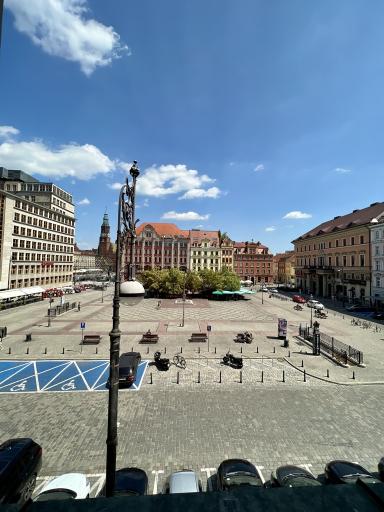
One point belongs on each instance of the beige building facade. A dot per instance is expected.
(205, 250)
(334, 259)
(37, 223)
(377, 252)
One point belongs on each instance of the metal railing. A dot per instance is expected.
(335, 348)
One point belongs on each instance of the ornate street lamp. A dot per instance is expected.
(128, 291)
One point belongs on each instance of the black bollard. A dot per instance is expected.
(283, 375)
(241, 350)
(147, 350)
(181, 350)
(220, 377)
(150, 381)
(353, 375)
(305, 380)
(96, 350)
(198, 377)
(165, 350)
(63, 350)
(328, 374)
(27, 351)
(198, 350)
(132, 349)
(215, 350)
(241, 376)
(289, 353)
(274, 350)
(45, 351)
(262, 375)
(9, 350)
(257, 350)
(302, 363)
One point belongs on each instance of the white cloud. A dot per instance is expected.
(270, 228)
(84, 201)
(35, 157)
(145, 203)
(194, 193)
(115, 186)
(6, 132)
(341, 170)
(259, 167)
(61, 29)
(184, 216)
(297, 215)
(163, 180)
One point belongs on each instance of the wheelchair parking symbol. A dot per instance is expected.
(21, 386)
(68, 386)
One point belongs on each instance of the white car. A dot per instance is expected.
(71, 486)
(182, 482)
(315, 304)
(273, 290)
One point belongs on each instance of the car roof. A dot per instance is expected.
(183, 481)
(9, 449)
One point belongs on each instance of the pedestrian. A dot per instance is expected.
(78, 307)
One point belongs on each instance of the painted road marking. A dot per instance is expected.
(57, 375)
(156, 473)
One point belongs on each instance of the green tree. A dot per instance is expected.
(151, 280)
(211, 280)
(230, 281)
(193, 282)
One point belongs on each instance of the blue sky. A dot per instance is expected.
(259, 118)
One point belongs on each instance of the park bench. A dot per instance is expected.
(198, 336)
(149, 338)
(91, 339)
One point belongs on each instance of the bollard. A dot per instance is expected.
(241, 376)
(9, 350)
(198, 350)
(289, 353)
(353, 375)
(27, 351)
(147, 350)
(302, 363)
(165, 350)
(305, 380)
(241, 350)
(262, 375)
(63, 350)
(181, 350)
(274, 350)
(45, 351)
(220, 377)
(215, 350)
(198, 377)
(177, 381)
(132, 349)
(96, 350)
(150, 380)
(328, 374)
(257, 349)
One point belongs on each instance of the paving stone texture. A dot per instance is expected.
(199, 422)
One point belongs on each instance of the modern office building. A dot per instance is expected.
(37, 230)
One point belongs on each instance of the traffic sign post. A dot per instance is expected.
(209, 328)
(82, 327)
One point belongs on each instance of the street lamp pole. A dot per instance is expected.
(311, 308)
(126, 215)
(262, 293)
(185, 278)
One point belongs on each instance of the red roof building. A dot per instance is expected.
(253, 262)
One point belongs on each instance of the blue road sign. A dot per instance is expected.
(59, 375)
(82, 325)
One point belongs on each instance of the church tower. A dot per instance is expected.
(104, 240)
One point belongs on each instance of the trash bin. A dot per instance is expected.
(286, 343)
(28, 336)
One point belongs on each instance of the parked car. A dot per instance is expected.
(128, 364)
(237, 472)
(315, 304)
(129, 482)
(184, 481)
(378, 315)
(70, 486)
(264, 289)
(359, 308)
(380, 467)
(292, 476)
(273, 290)
(299, 299)
(344, 472)
(20, 463)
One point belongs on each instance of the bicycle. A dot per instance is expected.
(179, 361)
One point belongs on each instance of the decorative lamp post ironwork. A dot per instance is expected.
(311, 308)
(124, 289)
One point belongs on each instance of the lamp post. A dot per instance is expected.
(127, 289)
(49, 311)
(262, 292)
(311, 308)
(185, 278)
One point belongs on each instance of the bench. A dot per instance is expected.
(91, 339)
(149, 338)
(198, 336)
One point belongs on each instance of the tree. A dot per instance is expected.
(193, 282)
(211, 280)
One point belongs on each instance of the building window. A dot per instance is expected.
(352, 261)
(352, 240)
(377, 282)
(337, 243)
(344, 242)
(362, 260)
(361, 239)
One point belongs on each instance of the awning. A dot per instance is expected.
(10, 294)
(32, 290)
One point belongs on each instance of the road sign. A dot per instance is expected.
(82, 325)
(209, 328)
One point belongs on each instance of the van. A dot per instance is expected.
(20, 463)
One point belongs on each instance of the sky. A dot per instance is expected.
(259, 118)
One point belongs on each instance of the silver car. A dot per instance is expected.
(184, 481)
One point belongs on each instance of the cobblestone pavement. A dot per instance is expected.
(162, 431)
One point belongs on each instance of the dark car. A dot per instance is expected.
(292, 476)
(360, 308)
(128, 364)
(380, 467)
(378, 315)
(129, 482)
(344, 472)
(233, 473)
(20, 463)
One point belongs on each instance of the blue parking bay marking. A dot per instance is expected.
(59, 375)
